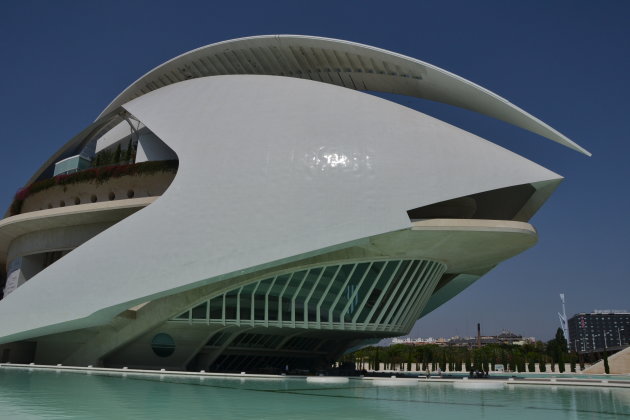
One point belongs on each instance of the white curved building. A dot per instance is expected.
(262, 211)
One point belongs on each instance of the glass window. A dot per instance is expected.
(183, 316)
(163, 345)
(320, 289)
(199, 312)
(410, 287)
(405, 270)
(259, 299)
(274, 296)
(246, 301)
(350, 299)
(216, 308)
(377, 290)
(307, 287)
(230, 304)
(335, 289)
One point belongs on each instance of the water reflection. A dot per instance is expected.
(48, 395)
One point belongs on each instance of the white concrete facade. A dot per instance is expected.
(279, 173)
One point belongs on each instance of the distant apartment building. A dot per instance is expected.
(599, 330)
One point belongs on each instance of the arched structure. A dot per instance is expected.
(303, 219)
(342, 63)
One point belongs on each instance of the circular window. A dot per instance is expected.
(130, 194)
(93, 198)
(112, 195)
(77, 200)
(163, 345)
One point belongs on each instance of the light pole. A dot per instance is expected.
(619, 335)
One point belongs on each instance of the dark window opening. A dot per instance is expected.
(51, 257)
(163, 345)
(500, 204)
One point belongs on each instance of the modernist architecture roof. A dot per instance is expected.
(313, 216)
(342, 63)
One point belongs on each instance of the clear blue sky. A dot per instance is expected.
(566, 62)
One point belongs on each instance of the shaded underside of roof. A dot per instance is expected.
(342, 63)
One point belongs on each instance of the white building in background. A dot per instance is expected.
(263, 211)
(419, 340)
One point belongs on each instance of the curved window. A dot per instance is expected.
(380, 295)
(163, 345)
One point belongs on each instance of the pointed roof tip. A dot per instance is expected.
(380, 69)
(582, 150)
(567, 142)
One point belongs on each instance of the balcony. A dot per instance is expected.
(108, 183)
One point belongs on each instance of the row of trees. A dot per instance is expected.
(117, 156)
(511, 356)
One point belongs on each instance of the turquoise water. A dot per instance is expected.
(52, 395)
(547, 375)
(571, 375)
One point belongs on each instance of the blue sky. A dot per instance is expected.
(565, 62)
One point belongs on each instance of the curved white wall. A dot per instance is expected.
(271, 169)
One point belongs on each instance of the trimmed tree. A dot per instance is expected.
(128, 152)
(468, 364)
(117, 154)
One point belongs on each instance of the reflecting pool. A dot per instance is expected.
(62, 395)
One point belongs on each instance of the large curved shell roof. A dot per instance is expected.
(343, 63)
(266, 178)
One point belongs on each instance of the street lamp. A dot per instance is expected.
(619, 335)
